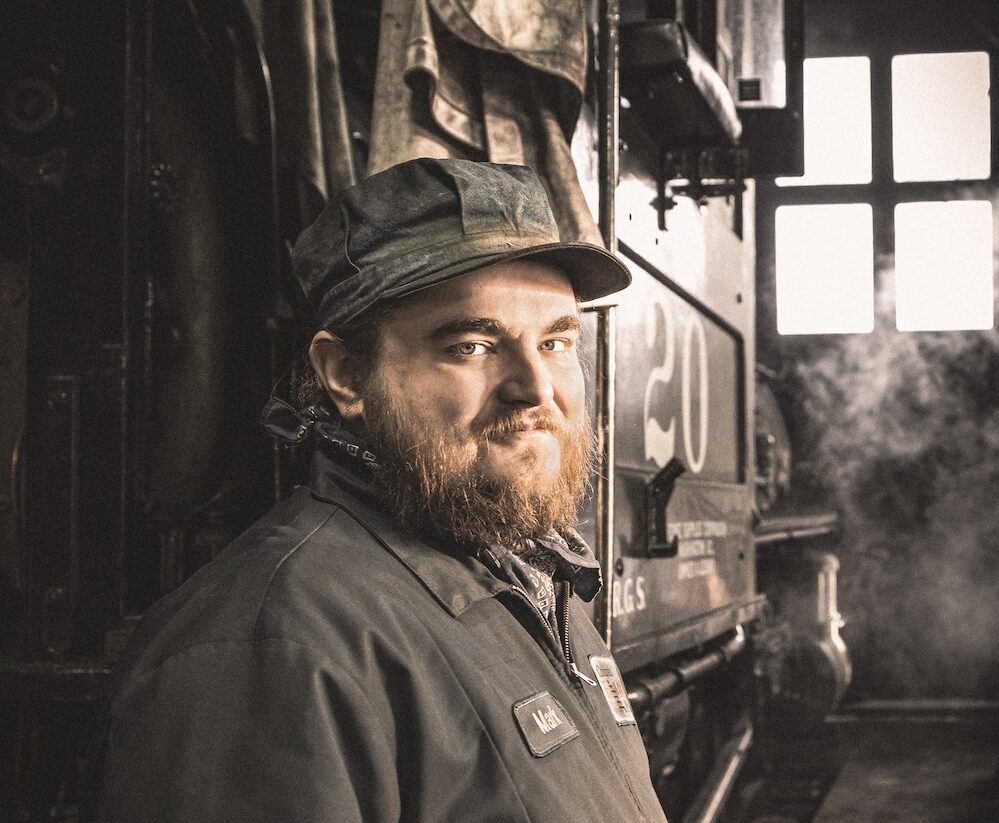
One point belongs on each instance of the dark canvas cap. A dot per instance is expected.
(425, 221)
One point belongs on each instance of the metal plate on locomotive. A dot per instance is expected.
(679, 394)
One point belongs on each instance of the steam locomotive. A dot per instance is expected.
(147, 310)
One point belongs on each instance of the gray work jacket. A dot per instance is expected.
(328, 666)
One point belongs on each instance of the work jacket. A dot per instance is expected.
(329, 666)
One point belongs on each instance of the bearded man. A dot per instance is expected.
(401, 640)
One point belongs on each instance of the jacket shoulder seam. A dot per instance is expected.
(257, 632)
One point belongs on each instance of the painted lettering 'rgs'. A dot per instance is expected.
(628, 596)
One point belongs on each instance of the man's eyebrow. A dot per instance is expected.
(468, 325)
(567, 322)
(492, 326)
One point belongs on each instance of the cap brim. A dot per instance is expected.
(593, 271)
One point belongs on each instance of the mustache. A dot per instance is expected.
(541, 419)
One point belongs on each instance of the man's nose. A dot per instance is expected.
(526, 380)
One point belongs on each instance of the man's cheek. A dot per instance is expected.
(569, 377)
(573, 402)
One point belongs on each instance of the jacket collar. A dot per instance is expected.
(454, 576)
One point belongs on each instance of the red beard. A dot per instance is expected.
(434, 485)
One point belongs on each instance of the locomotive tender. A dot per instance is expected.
(150, 210)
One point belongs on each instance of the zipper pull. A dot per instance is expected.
(580, 675)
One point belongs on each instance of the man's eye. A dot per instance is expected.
(469, 349)
(555, 345)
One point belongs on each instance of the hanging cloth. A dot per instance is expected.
(498, 80)
(299, 42)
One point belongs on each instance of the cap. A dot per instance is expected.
(425, 221)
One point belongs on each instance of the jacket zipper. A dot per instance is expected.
(565, 638)
(563, 642)
(567, 654)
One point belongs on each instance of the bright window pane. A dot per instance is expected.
(940, 116)
(825, 269)
(943, 265)
(837, 112)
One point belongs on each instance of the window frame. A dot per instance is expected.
(880, 45)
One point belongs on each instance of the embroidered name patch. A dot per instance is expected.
(613, 688)
(544, 724)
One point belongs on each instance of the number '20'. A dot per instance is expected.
(660, 443)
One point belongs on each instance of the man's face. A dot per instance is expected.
(476, 404)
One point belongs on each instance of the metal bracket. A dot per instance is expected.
(658, 491)
(709, 171)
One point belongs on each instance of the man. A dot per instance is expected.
(400, 641)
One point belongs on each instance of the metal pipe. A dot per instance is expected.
(795, 527)
(791, 534)
(708, 805)
(780, 529)
(606, 346)
(648, 690)
(608, 94)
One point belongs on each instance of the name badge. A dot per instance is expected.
(544, 724)
(613, 688)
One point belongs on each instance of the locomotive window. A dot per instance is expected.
(899, 169)
(943, 265)
(940, 116)
(837, 118)
(824, 268)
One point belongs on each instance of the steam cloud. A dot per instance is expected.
(903, 432)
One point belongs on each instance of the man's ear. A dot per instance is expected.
(339, 372)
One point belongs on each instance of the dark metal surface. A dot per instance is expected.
(679, 637)
(682, 397)
(132, 281)
(61, 237)
(54, 519)
(658, 492)
(673, 85)
(710, 801)
(603, 607)
(136, 299)
(281, 320)
(791, 526)
(774, 138)
(22, 683)
(646, 691)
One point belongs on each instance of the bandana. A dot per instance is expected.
(325, 428)
(533, 566)
(537, 564)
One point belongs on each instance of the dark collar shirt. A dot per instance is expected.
(330, 666)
